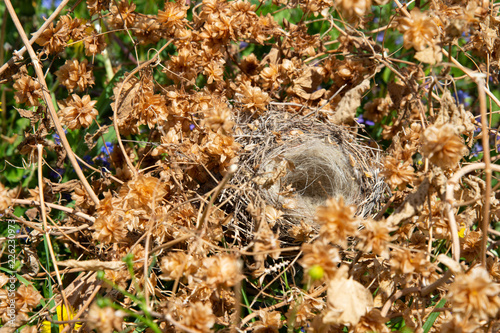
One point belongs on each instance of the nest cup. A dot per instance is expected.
(316, 171)
(294, 164)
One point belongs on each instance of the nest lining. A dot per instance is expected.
(317, 171)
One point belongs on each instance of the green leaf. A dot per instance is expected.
(433, 316)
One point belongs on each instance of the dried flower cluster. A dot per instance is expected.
(442, 146)
(420, 30)
(171, 114)
(77, 112)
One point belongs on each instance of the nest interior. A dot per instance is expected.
(295, 163)
(316, 171)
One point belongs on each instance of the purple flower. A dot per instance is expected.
(478, 128)
(380, 37)
(367, 122)
(192, 127)
(476, 149)
(57, 139)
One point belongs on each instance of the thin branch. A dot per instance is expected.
(45, 225)
(85, 306)
(117, 105)
(50, 105)
(450, 202)
(18, 55)
(51, 205)
(487, 162)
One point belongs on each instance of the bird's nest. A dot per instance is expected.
(291, 164)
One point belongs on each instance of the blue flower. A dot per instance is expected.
(463, 97)
(57, 138)
(57, 173)
(88, 159)
(49, 4)
(109, 147)
(192, 127)
(243, 45)
(466, 36)
(104, 161)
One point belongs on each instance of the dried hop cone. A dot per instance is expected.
(397, 173)
(353, 9)
(443, 146)
(254, 98)
(27, 91)
(74, 74)
(123, 14)
(27, 298)
(77, 112)
(337, 221)
(104, 319)
(94, 44)
(54, 39)
(420, 30)
(475, 294)
(5, 198)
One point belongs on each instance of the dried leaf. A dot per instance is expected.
(271, 58)
(430, 55)
(69, 186)
(453, 265)
(412, 205)
(450, 113)
(347, 300)
(28, 114)
(310, 80)
(61, 156)
(346, 109)
(91, 139)
(32, 213)
(93, 265)
(126, 112)
(397, 90)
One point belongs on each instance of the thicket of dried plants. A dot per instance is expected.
(245, 166)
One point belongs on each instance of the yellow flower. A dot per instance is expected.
(62, 315)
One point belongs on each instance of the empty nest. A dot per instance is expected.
(294, 164)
